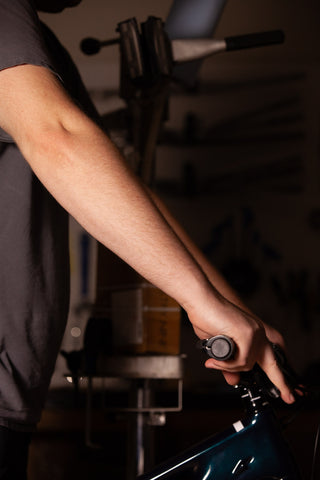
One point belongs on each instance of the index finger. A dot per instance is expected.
(268, 363)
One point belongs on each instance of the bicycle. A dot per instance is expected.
(253, 448)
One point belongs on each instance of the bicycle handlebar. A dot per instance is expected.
(187, 50)
(252, 40)
(219, 347)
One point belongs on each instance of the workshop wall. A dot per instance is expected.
(238, 161)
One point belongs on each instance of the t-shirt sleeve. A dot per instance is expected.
(21, 39)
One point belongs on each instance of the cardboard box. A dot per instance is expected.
(144, 319)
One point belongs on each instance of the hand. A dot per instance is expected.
(252, 338)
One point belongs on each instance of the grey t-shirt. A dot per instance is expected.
(34, 263)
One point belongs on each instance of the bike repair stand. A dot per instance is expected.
(145, 77)
(148, 60)
(142, 374)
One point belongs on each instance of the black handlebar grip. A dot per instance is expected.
(252, 40)
(219, 347)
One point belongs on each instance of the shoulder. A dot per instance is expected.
(21, 38)
(17, 11)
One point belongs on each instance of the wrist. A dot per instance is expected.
(204, 302)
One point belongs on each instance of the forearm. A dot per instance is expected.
(84, 171)
(213, 275)
(92, 182)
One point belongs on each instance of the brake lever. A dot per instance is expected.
(259, 378)
(292, 379)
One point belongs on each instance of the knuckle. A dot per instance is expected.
(244, 364)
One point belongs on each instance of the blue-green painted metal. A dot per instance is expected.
(253, 449)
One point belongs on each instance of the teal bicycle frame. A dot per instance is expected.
(253, 448)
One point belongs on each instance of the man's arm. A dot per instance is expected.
(213, 275)
(84, 171)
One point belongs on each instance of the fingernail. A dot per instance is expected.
(291, 398)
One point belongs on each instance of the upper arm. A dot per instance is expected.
(32, 100)
(35, 75)
(22, 45)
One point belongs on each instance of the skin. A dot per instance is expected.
(87, 175)
(217, 280)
